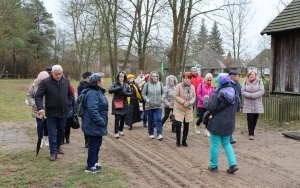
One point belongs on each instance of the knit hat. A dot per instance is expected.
(147, 76)
(86, 74)
(222, 78)
(49, 69)
(96, 77)
(130, 76)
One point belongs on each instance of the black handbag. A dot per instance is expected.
(74, 122)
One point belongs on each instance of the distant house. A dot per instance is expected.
(261, 63)
(238, 65)
(285, 50)
(209, 60)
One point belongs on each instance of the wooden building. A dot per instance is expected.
(285, 50)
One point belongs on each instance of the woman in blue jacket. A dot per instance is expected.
(95, 119)
(222, 105)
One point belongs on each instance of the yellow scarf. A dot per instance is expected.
(138, 96)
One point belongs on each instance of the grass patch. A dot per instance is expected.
(23, 169)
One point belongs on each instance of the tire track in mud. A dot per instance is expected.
(152, 165)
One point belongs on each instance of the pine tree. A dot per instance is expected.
(203, 37)
(215, 40)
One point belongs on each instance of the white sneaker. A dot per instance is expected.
(121, 133)
(151, 136)
(46, 141)
(160, 137)
(117, 135)
(207, 133)
(197, 129)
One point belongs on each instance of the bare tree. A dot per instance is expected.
(237, 17)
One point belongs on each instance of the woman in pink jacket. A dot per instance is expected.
(204, 88)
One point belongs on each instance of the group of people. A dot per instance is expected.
(144, 99)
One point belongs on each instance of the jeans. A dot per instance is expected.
(94, 144)
(215, 147)
(56, 127)
(41, 132)
(145, 114)
(166, 116)
(154, 116)
(252, 120)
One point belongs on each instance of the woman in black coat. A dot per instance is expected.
(134, 115)
(121, 91)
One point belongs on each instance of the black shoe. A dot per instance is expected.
(130, 128)
(215, 169)
(144, 124)
(184, 144)
(232, 142)
(67, 140)
(232, 169)
(178, 144)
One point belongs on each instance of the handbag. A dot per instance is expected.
(74, 121)
(118, 103)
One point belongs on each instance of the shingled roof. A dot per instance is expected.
(261, 60)
(288, 19)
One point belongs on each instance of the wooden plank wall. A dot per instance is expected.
(285, 57)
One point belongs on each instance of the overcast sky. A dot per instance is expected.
(265, 12)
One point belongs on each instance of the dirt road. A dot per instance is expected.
(271, 160)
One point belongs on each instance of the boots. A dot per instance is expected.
(46, 141)
(178, 132)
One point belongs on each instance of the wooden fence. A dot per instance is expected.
(281, 108)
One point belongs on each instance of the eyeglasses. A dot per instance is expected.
(208, 80)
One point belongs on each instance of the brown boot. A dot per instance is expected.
(53, 157)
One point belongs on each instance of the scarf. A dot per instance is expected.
(137, 94)
(187, 91)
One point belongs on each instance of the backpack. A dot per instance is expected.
(79, 107)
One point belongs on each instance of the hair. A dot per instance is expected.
(56, 67)
(208, 75)
(193, 68)
(187, 74)
(42, 75)
(251, 71)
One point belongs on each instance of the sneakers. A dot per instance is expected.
(207, 133)
(151, 136)
(98, 166)
(232, 169)
(215, 169)
(46, 141)
(117, 135)
(121, 133)
(93, 170)
(160, 137)
(197, 129)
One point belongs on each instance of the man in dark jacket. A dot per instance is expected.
(234, 76)
(58, 97)
(223, 105)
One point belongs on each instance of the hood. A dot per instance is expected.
(227, 94)
(125, 76)
(151, 78)
(168, 80)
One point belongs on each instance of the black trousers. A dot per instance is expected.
(178, 131)
(251, 120)
(119, 123)
(201, 114)
(166, 116)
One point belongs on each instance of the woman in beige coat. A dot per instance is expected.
(184, 98)
(252, 91)
(31, 102)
